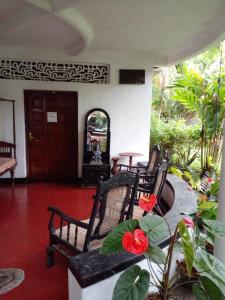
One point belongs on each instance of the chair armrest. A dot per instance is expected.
(55, 211)
(145, 189)
(128, 167)
(120, 166)
(146, 176)
(148, 173)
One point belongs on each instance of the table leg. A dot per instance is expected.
(130, 162)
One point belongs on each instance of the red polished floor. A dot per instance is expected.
(24, 235)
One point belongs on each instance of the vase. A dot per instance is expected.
(115, 169)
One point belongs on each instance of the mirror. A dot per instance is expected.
(97, 128)
(96, 134)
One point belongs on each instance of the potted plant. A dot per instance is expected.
(140, 236)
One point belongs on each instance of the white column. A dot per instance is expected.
(220, 243)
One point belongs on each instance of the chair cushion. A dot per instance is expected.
(137, 212)
(6, 163)
(114, 204)
(81, 235)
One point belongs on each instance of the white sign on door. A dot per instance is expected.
(51, 117)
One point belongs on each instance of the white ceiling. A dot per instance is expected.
(167, 30)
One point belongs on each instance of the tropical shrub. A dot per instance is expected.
(194, 91)
(203, 95)
(165, 108)
(181, 141)
(214, 191)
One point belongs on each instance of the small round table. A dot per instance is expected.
(130, 155)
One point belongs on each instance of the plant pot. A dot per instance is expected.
(153, 296)
(184, 292)
(182, 269)
(157, 296)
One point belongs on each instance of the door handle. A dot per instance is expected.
(30, 136)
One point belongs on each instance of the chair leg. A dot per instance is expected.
(12, 173)
(51, 259)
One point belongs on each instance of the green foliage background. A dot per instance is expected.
(188, 110)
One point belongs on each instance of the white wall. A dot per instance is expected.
(127, 105)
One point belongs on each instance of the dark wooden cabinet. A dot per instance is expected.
(92, 173)
(96, 147)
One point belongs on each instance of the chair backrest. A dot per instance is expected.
(154, 158)
(113, 204)
(7, 149)
(161, 178)
(156, 187)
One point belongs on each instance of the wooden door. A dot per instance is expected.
(51, 135)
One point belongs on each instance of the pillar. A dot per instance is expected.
(220, 243)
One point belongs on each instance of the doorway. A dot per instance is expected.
(51, 120)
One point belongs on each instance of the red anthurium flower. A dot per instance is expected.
(210, 180)
(146, 203)
(135, 242)
(188, 222)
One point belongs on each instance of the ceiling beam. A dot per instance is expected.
(45, 5)
(73, 18)
(39, 9)
(22, 19)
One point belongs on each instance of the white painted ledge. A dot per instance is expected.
(103, 289)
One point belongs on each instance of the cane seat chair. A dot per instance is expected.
(113, 204)
(153, 185)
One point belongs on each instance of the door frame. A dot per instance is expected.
(26, 120)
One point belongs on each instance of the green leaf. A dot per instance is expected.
(212, 290)
(133, 284)
(156, 255)
(211, 267)
(155, 227)
(209, 214)
(176, 171)
(199, 292)
(178, 247)
(215, 188)
(113, 241)
(187, 244)
(210, 238)
(208, 205)
(215, 227)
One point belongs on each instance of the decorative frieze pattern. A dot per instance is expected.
(54, 71)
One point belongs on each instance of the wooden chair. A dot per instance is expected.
(145, 176)
(153, 185)
(8, 159)
(8, 150)
(113, 204)
(154, 160)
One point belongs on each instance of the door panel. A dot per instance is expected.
(52, 135)
(35, 135)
